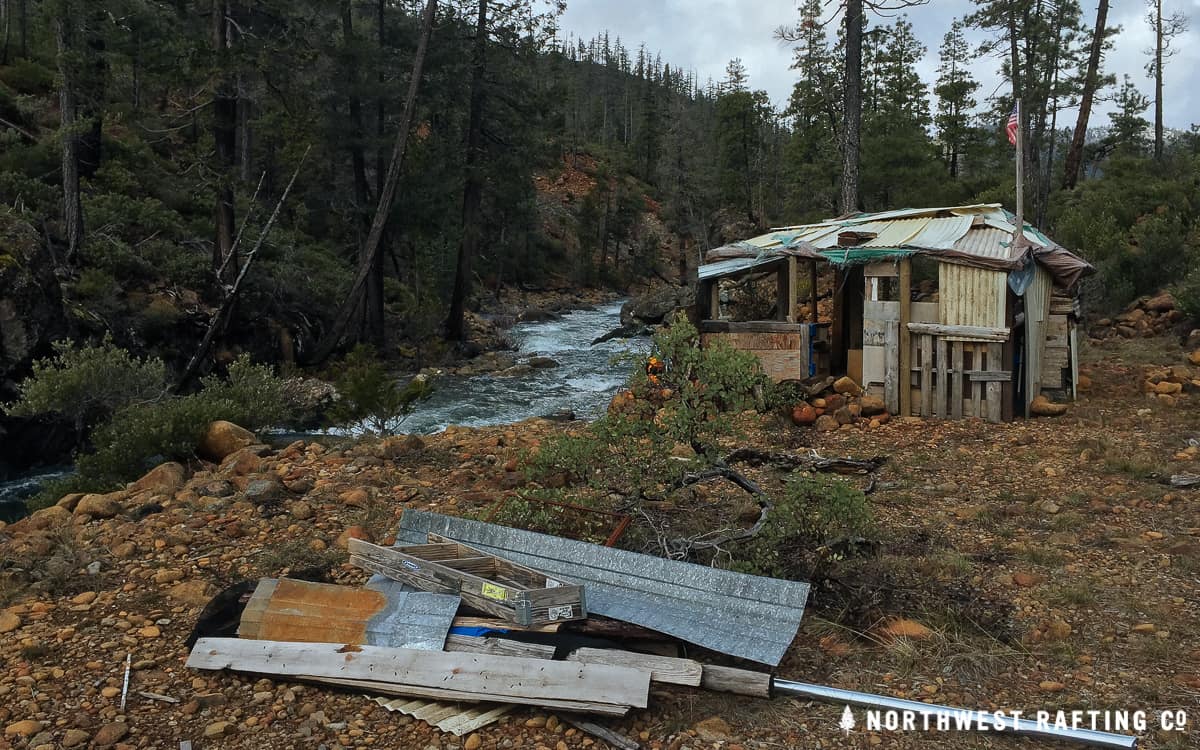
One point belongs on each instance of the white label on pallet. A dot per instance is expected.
(565, 612)
(552, 584)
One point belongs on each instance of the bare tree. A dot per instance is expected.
(67, 36)
(1091, 82)
(1165, 29)
(386, 195)
(224, 130)
(473, 188)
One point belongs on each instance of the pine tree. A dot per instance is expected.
(955, 91)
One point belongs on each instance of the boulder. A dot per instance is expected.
(242, 462)
(263, 491)
(844, 416)
(222, 439)
(101, 506)
(826, 423)
(872, 405)
(1194, 358)
(1044, 407)
(803, 415)
(542, 363)
(846, 386)
(164, 479)
(48, 518)
(1161, 303)
(657, 305)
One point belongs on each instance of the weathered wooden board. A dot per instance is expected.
(442, 694)
(666, 669)
(504, 679)
(956, 390)
(513, 592)
(471, 644)
(734, 680)
(966, 333)
(782, 355)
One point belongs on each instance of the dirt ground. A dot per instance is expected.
(1041, 565)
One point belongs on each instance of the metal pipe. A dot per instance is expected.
(956, 716)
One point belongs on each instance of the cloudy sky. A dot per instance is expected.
(705, 34)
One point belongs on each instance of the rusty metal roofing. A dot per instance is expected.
(751, 617)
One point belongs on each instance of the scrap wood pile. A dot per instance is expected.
(463, 620)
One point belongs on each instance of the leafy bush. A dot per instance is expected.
(1187, 294)
(372, 395)
(804, 527)
(138, 423)
(27, 77)
(89, 383)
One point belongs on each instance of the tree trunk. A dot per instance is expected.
(1158, 80)
(91, 104)
(225, 107)
(852, 115)
(386, 194)
(7, 31)
(473, 189)
(1091, 80)
(67, 33)
(373, 317)
(23, 10)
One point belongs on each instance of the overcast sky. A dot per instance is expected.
(704, 35)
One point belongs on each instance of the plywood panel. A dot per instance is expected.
(781, 354)
(874, 368)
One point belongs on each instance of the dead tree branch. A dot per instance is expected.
(806, 462)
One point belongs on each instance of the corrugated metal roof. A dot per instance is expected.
(734, 265)
(941, 234)
(411, 619)
(895, 233)
(448, 717)
(986, 242)
(741, 615)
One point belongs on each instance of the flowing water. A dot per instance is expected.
(583, 383)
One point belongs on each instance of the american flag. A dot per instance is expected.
(1014, 122)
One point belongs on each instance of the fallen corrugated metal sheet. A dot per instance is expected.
(734, 266)
(986, 242)
(382, 614)
(448, 717)
(741, 615)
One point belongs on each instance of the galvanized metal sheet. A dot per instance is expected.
(747, 616)
(986, 242)
(970, 296)
(896, 233)
(412, 619)
(448, 717)
(735, 265)
(941, 234)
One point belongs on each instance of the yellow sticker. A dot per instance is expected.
(492, 591)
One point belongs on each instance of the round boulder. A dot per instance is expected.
(222, 439)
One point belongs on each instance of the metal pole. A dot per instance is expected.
(972, 718)
(1020, 177)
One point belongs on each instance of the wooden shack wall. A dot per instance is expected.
(783, 356)
(1037, 312)
(970, 296)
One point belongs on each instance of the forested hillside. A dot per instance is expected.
(201, 178)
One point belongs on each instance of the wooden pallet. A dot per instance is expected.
(512, 592)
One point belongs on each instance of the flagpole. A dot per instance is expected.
(1020, 231)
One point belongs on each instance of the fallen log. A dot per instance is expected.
(806, 462)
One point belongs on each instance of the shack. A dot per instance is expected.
(942, 312)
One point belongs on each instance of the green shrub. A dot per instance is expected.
(1187, 294)
(27, 77)
(804, 527)
(139, 424)
(368, 393)
(89, 383)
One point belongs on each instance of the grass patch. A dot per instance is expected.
(1044, 556)
(1074, 595)
(296, 556)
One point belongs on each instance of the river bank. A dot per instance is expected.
(1039, 566)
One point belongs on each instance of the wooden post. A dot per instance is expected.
(837, 362)
(905, 338)
(714, 299)
(785, 300)
(812, 289)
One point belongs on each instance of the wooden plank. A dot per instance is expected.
(942, 375)
(443, 694)
(993, 387)
(975, 333)
(498, 624)
(619, 741)
(749, 326)
(666, 669)
(956, 390)
(905, 385)
(470, 644)
(806, 369)
(521, 595)
(813, 312)
(507, 679)
(786, 298)
(880, 311)
(926, 343)
(988, 376)
(734, 680)
(891, 366)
